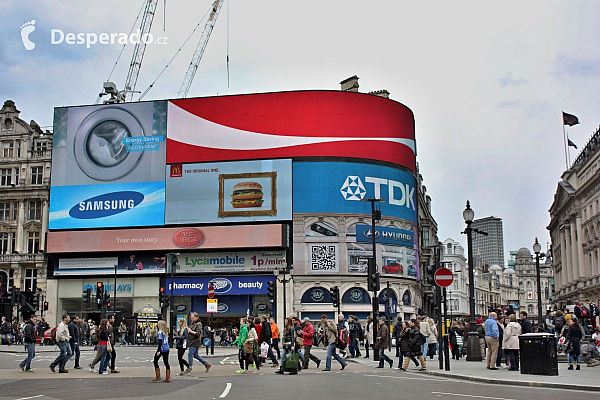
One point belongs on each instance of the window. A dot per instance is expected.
(36, 175)
(30, 279)
(449, 251)
(6, 213)
(35, 210)
(7, 149)
(5, 239)
(41, 146)
(425, 236)
(33, 242)
(5, 176)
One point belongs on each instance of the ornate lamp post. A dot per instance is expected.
(473, 347)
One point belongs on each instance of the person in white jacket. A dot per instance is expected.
(62, 339)
(432, 340)
(510, 342)
(426, 331)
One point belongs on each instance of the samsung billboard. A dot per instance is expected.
(242, 191)
(108, 166)
(338, 187)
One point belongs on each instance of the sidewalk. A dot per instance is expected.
(219, 351)
(586, 379)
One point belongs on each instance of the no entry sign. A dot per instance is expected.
(211, 291)
(443, 277)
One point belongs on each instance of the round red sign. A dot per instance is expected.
(188, 237)
(443, 277)
(211, 291)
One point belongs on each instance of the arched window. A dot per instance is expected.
(322, 229)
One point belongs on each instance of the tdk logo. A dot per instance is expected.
(222, 285)
(399, 194)
(106, 204)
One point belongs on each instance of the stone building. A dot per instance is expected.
(25, 162)
(575, 228)
(527, 277)
(458, 293)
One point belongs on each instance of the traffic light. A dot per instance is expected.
(45, 306)
(373, 276)
(14, 295)
(88, 298)
(430, 272)
(335, 295)
(36, 300)
(162, 298)
(99, 293)
(271, 290)
(107, 299)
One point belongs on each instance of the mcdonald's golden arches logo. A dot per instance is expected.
(176, 171)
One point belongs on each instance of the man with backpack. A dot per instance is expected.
(343, 331)
(582, 313)
(29, 339)
(559, 322)
(62, 339)
(331, 338)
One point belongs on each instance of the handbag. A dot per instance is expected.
(108, 347)
(291, 362)
(300, 341)
(249, 347)
(256, 348)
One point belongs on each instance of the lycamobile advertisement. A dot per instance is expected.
(230, 262)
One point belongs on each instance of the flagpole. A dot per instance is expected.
(568, 149)
(565, 138)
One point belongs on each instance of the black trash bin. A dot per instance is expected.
(538, 354)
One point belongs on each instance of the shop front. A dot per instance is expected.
(236, 296)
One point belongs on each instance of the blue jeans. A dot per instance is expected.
(573, 358)
(424, 347)
(332, 353)
(63, 357)
(75, 350)
(104, 359)
(193, 353)
(26, 364)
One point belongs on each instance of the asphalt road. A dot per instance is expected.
(355, 382)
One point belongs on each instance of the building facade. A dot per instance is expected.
(527, 276)
(574, 229)
(491, 247)
(25, 161)
(458, 293)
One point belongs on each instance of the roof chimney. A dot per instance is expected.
(350, 84)
(381, 93)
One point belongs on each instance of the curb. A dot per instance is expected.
(517, 383)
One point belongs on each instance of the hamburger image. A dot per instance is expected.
(246, 195)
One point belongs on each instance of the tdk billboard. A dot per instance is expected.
(338, 187)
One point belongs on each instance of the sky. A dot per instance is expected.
(486, 81)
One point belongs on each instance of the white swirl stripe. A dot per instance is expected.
(191, 129)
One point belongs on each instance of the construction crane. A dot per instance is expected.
(193, 67)
(140, 48)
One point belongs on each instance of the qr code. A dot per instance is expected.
(323, 258)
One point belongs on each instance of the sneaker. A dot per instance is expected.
(239, 371)
(318, 363)
(54, 370)
(181, 373)
(417, 368)
(422, 369)
(280, 372)
(208, 367)
(28, 370)
(189, 370)
(91, 368)
(253, 366)
(63, 371)
(104, 373)
(398, 368)
(578, 367)
(22, 367)
(77, 367)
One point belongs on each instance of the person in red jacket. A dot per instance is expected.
(308, 333)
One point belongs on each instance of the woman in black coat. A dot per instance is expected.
(573, 335)
(403, 345)
(414, 345)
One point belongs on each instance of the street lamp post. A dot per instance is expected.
(284, 282)
(537, 248)
(473, 347)
(115, 294)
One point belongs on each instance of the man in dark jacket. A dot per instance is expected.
(382, 342)
(525, 323)
(112, 332)
(353, 345)
(29, 339)
(397, 332)
(75, 341)
(265, 337)
(4, 331)
(194, 335)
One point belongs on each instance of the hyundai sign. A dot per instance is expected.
(384, 234)
(338, 187)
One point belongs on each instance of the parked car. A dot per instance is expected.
(48, 338)
(393, 268)
(10, 336)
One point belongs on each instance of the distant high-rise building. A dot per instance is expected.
(491, 247)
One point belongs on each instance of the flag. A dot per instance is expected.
(569, 119)
(571, 143)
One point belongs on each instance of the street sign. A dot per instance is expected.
(211, 291)
(443, 277)
(212, 306)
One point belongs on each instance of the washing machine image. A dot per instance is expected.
(112, 143)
